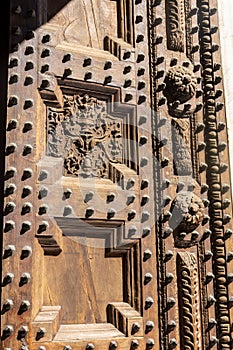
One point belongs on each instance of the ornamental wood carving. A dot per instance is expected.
(116, 211)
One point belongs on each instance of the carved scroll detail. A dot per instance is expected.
(175, 30)
(85, 135)
(189, 310)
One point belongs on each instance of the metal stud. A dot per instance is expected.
(130, 199)
(164, 162)
(9, 208)
(10, 189)
(209, 277)
(213, 341)
(24, 306)
(212, 323)
(108, 65)
(225, 188)
(147, 278)
(11, 148)
(229, 256)
(149, 302)
(170, 302)
(88, 76)
(26, 252)
(43, 175)
(40, 333)
(144, 184)
(169, 278)
(140, 57)
(9, 225)
(43, 227)
(8, 278)
(111, 213)
(142, 120)
(26, 208)
(8, 251)
(68, 210)
(89, 195)
(22, 332)
(126, 55)
(89, 212)
(113, 345)
(168, 255)
(26, 226)
(8, 330)
(132, 231)
(27, 173)
(7, 306)
(171, 325)
(210, 301)
(127, 70)
(145, 216)
(107, 80)
(131, 215)
(43, 192)
(145, 199)
(147, 255)
(172, 343)
(110, 197)
(146, 232)
(168, 230)
(130, 183)
(150, 344)
(208, 255)
(24, 279)
(90, 346)
(135, 328)
(149, 326)
(226, 220)
(128, 97)
(134, 344)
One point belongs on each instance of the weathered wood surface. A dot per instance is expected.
(117, 211)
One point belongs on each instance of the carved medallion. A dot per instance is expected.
(180, 91)
(85, 135)
(187, 212)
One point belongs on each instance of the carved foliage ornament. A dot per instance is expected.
(187, 212)
(85, 135)
(175, 32)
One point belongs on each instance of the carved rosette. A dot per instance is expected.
(187, 212)
(189, 309)
(180, 88)
(85, 135)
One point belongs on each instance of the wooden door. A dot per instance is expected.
(116, 198)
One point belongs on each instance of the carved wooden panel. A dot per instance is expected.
(117, 212)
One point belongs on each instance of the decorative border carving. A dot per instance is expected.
(214, 181)
(188, 291)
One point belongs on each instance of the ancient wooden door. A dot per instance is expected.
(117, 210)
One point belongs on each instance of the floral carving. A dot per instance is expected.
(187, 212)
(85, 135)
(180, 84)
